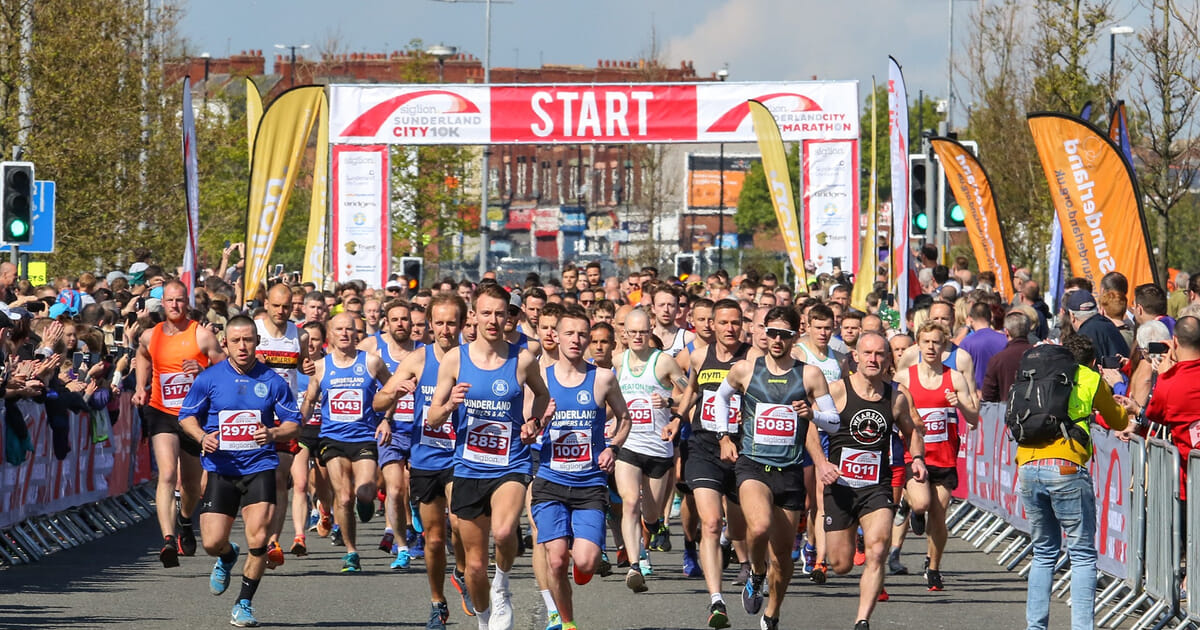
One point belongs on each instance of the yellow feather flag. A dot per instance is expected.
(254, 111)
(779, 183)
(314, 249)
(278, 147)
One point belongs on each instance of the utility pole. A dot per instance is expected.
(487, 148)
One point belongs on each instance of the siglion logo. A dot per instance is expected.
(410, 116)
(733, 118)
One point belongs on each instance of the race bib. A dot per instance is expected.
(774, 425)
(441, 438)
(570, 450)
(859, 468)
(405, 408)
(175, 388)
(1194, 434)
(708, 420)
(488, 442)
(237, 429)
(345, 405)
(641, 415)
(937, 421)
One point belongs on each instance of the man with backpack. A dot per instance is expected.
(1050, 409)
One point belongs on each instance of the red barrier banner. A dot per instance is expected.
(44, 484)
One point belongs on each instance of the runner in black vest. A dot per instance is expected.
(870, 409)
(712, 449)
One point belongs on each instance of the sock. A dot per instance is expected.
(402, 548)
(714, 598)
(500, 580)
(809, 548)
(635, 565)
(459, 574)
(249, 587)
(230, 557)
(689, 545)
(388, 530)
(551, 607)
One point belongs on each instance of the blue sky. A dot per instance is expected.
(759, 39)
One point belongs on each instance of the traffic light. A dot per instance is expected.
(685, 266)
(919, 198)
(952, 217)
(413, 268)
(16, 193)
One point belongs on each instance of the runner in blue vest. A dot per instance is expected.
(393, 344)
(492, 464)
(570, 492)
(431, 476)
(236, 411)
(351, 431)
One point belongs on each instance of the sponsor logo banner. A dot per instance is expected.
(831, 203)
(361, 229)
(572, 113)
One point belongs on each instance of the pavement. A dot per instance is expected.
(117, 582)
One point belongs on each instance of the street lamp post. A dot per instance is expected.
(292, 67)
(1112, 57)
(722, 74)
(441, 53)
(207, 59)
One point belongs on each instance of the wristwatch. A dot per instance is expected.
(721, 435)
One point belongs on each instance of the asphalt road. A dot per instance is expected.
(117, 582)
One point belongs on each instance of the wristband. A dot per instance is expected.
(536, 422)
(921, 457)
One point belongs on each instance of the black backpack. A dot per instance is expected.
(1038, 402)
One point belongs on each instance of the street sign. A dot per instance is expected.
(43, 220)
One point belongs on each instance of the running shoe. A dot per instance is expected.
(299, 548)
(925, 568)
(187, 540)
(752, 594)
(365, 509)
(636, 581)
(350, 563)
(275, 556)
(314, 517)
(417, 549)
(218, 580)
(325, 523)
(553, 621)
(604, 568)
(860, 552)
(743, 575)
(622, 558)
(644, 564)
(410, 536)
(169, 554)
(894, 565)
(502, 610)
(718, 616)
(901, 513)
(385, 544)
(580, 577)
(460, 584)
(883, 595)
(660, 539)
(676, 505)
(335, 536)
(862, 624)
(691, 564)
(414, 517)
(796, 547)
(727, 553)
(438, 614)
(917, 524)
(242, 615)
(818, 573)
(403, 559)
(933, 578)
(809, 554)
(768, 623)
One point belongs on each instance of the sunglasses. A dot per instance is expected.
(780, 333)
(631, 332)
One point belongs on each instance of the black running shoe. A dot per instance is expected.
(718, 616)
(917, 523)
(169, 554)
(366, 509)
(862, 624)
(933, 578)
(187, 540)
(818, 573)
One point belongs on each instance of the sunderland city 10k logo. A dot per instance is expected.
(500, 387)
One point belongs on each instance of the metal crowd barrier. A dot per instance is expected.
(1192, 523)
(1163, 527)
(1130, 588)
(34, 538)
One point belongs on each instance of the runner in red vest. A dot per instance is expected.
(939, 396)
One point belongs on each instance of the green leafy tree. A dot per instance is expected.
(755, 212)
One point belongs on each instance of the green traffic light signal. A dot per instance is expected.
(17, 229)
(921, 220)
(956, 214)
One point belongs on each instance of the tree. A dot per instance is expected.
(1169, 137)
(755, 211)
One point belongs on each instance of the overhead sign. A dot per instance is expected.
(43, 220)
(582, 113)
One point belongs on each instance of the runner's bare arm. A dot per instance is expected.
(378, 368)
(616, 405)
(142, 368)
(367, 345)
(449, 393)
(902, 413)
(401, 384)
(543, 405)
(966, 365)
(827, 472)
(313, 393)
(963, 399)
(914, 417)
(691, 392)
(669, 375)
(734, 383)
(307, 365)
(209, 345)
(825, 411)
